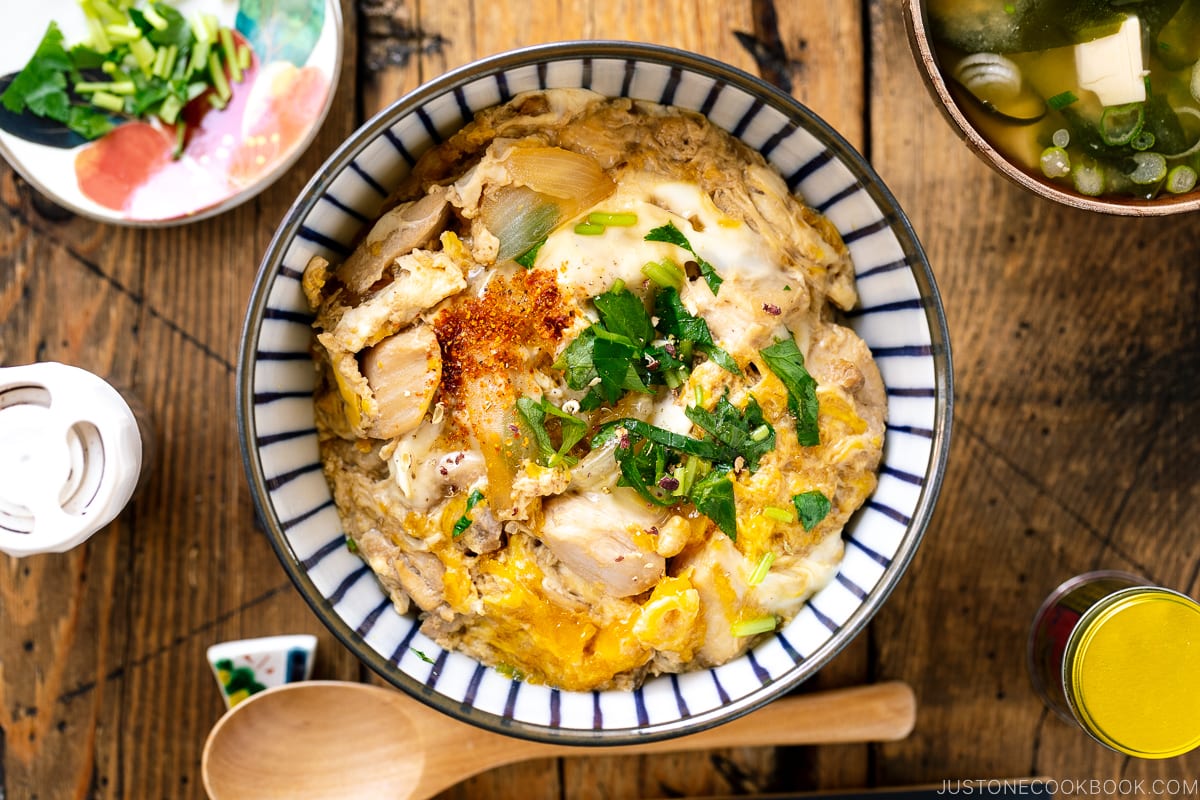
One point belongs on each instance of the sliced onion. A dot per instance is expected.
(520, 218)
(597, 471)
(560, 173)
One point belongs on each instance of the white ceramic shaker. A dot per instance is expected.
(70, 457)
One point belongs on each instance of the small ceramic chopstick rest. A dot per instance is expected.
(248, 666)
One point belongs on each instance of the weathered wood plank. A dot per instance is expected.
(1074, 448)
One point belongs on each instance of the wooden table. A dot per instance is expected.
(1076, 439)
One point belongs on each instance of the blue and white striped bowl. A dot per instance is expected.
(901, 320)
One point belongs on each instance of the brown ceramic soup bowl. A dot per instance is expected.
(953, 101)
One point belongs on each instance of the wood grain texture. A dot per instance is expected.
(1076, 441)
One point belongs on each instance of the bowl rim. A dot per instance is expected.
(921, 47)
(333, 11)
(791, 108)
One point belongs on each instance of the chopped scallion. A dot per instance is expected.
(664, 273)
(778, 514)
(755, 625)
(143, 53)
(231, 61)
(170, 108)
(617, 220)
(1119, 124)
(1150, 168)
(1062, 100)
(1143, 141)
(589, 229)
(761, 570)
(112, 87)
(1181, 179)
(217, 73)
(1088, 178)
(154, 18)
(123, 34)
(1055, 162)
(108, 101)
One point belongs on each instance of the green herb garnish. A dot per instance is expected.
(672, 235)
(1060, 101)
(616, 355)
(676, 321)
(713, 497)
(745, 434)
(537, 414)
(528, 258)
(664, 466)
(421, 655)
(464, 521)
(787, 362)
(811, 508)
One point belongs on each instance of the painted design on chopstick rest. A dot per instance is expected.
(245, 668)
(237, 683)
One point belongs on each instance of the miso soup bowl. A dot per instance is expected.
(916, 19)
(900, 318)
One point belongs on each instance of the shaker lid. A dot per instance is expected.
(1132, 677)
(70, 457)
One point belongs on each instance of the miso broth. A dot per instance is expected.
(1099, 96)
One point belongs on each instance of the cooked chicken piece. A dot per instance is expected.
(837, 356)
(483, 534)
(423, 279)
(717, 575)
(596, 535)
(404, 371)
(406, 573)
(405, 228)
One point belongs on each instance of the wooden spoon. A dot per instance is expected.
(332, 739)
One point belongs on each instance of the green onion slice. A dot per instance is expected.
(761, 570)
(1120, 124)
(616, 220)
(755, 625)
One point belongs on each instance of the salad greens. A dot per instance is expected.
(143, 62)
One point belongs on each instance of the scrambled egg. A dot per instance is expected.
(546, 413)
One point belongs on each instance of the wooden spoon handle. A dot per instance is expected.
(874, 713)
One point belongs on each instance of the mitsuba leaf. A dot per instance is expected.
(623, 313)
(576, 360)
(713, 497)
(41, 85)
(670, 234)
(613, 361)
(88, 122)
(675, 320)
(736, 430)
(787, 362)
(811, 508)
(536, 414)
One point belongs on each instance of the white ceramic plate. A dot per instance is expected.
(900, 319)
(128, 176)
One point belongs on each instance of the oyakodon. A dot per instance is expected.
(584, 399)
